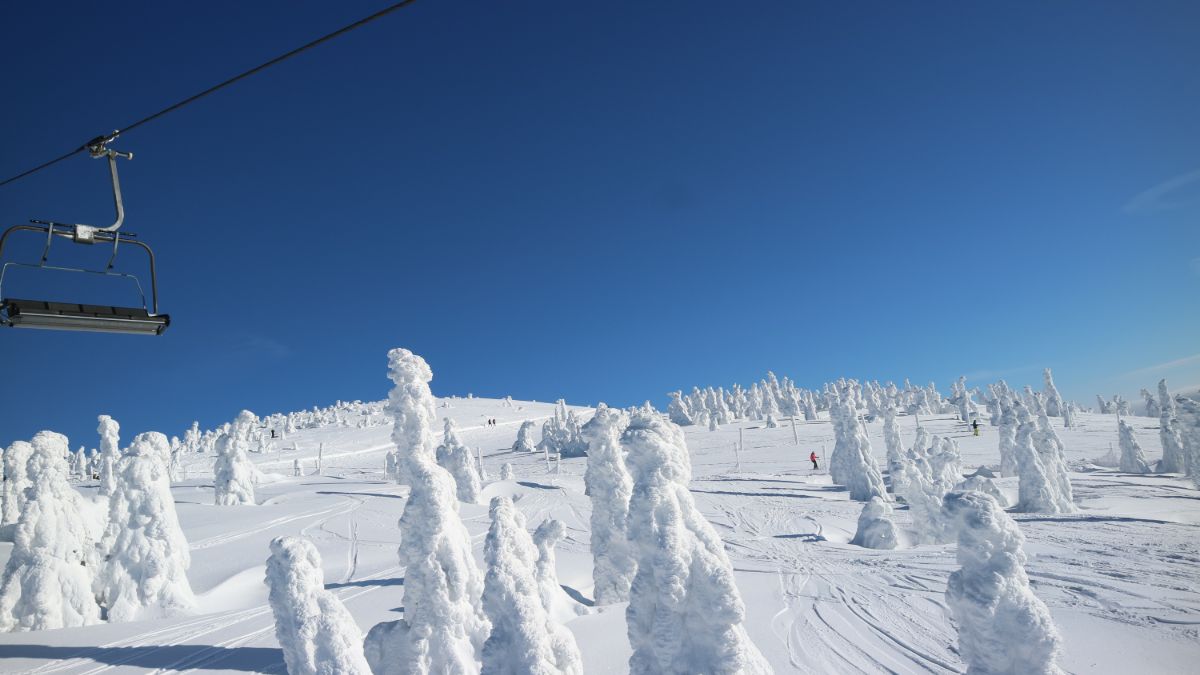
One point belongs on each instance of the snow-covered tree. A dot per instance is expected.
(891, 432)
(191, 438)
(1053, 400)
(174, 468)
(609, 486)
(1051, 450)
(1121, 405)
(771, 422)
(146, 555)
(1068, 414)
(561, 433)
(875, 526)
(1188, 413)
(443, 624)
(318, 635)
(1132, 459)
(1007, 433)
(1002, 626)
(1173, 457)
(853, 463)
(945, 464)
(1150, 403)
(677, 410)
(524, 637)
(560, 605)
(233, 474)
(924, 499)
(506, 471)
(110, 452)
(456, 459)
(525, 438)
(978, 483)
(685, 613)
(48, 578)
(1037, 486)
(961, 399)
(16, 480)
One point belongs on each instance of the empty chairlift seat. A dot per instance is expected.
(70, 316)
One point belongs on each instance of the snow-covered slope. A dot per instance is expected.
(1121, 577)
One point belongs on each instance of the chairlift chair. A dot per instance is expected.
(18, 313)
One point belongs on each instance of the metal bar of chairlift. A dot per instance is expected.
(72, 316)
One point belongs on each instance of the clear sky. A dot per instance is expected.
(608, 201)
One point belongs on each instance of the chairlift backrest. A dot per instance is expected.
(53, 315)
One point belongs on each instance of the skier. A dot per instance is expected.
(975, 426)
(812, 457)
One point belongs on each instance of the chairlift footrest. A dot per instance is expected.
(71, 316)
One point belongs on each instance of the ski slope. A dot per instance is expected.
(1121, 577)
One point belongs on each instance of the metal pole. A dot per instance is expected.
(737, 467)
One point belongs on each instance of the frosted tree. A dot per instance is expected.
(677, 410)
(560, 605)
(443, 624)
(1068, 414)
(48, 578)
(771, 423)
(891, 433)
(609, 486)
(875, 526)
(1121, 405)
(945, 464)
(1037, 489)
(810, 406)
(16, 481)
(1173, 457)
(506, 471)
(1132, 459)
(525, 438)
(191, 438)
(391, 465)
(561, 433)
(853, 458)
(1002, 626)
(1188, 413)
(175, 469)
(297, 470)
(524, 638)
(1007, 433)
(924, 499)
(456, 459)
(985, 485)
(318, 635)
(713, 425)
(1053, 400)
(1050, 449)
(146, 555)
(1150, 403)
(233, 474)
(685, 612)
(110, 452)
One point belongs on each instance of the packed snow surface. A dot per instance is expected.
(1120, 577)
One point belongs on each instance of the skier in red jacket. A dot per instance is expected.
(813, 458)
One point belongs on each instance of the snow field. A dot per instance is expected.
(1119, 577)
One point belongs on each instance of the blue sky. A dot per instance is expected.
(610, 201)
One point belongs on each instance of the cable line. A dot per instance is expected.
(100, 141)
